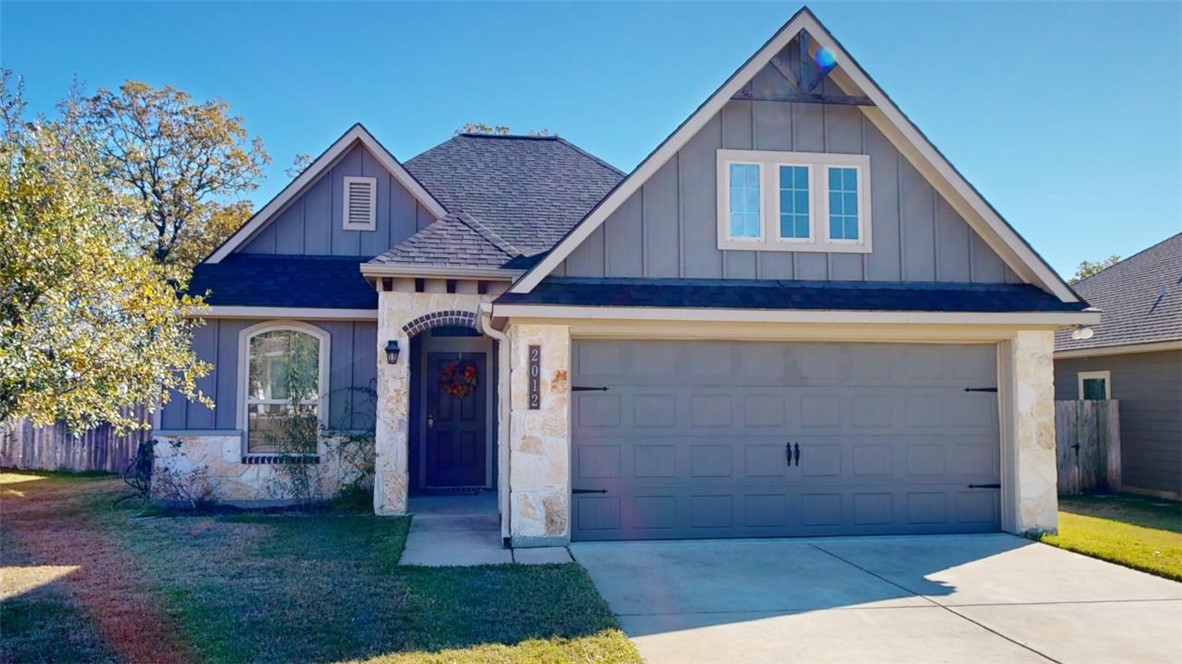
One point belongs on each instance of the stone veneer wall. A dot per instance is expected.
(1033, 402)
(220, 455)
(395, 310)
(539, 453)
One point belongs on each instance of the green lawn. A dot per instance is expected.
(1135, 531)
(320, 588)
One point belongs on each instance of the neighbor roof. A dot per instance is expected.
(781, 295)
(262, 280)
(529, 190)
(1140, 299)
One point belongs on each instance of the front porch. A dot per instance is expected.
(463, 531)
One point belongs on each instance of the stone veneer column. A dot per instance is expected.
(395, 310)
(539, 456)
(393, 406)
(1033, 418)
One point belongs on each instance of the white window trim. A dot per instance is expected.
(817, 163)
(244, 338)
(369, 225)
(1106, 376)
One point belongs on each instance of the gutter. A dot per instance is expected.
(504, 401)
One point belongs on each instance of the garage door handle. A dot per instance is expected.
(797, 454)
(788, 453)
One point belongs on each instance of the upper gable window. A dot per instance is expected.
(361, 197)
(793, 201)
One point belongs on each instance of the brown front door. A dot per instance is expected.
(456, 441)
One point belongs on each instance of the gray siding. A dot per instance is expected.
(669, 227)
(352, 364)
(311, 223)
(1149, 387)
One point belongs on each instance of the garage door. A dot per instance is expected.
(736, 439)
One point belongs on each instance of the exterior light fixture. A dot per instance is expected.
(1081, 333)
(392, 351)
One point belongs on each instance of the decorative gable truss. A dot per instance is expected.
(822, 72)
(359, 206)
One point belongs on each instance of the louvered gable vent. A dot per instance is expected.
(360, 203)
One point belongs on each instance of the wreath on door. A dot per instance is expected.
(458, 378)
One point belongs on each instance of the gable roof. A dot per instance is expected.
(906, 137)
(1140, 299)
(529, 190)
(356, 134)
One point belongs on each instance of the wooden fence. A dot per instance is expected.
(1087, 446)
(27, 447)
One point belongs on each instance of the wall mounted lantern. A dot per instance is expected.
(392, 351)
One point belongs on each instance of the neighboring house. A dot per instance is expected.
(1134, 356)
(794, 317)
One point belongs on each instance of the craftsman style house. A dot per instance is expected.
(794, 317)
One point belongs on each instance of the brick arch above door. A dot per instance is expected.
(440, 319)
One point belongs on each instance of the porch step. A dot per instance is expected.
(475, 523)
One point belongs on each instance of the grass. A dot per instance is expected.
(251, 588)
(1135, 531)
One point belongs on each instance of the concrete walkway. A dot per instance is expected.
(463, 531)
(966, 598)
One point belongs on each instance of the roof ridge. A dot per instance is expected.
(1129, 258)
(488, 234)
(591, 156)
(525, 137)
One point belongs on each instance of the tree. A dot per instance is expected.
(186, 163)
(1088, 268)
(299, 163)
(89, 325)
(479, 128)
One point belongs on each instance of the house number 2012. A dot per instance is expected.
(535, 377)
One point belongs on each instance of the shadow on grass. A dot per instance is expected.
(325, 587)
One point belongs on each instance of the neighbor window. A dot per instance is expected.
(282, 387)
(793, 201)
(1095, 385)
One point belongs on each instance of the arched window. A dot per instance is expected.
(283, 370)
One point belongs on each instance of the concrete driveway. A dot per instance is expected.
(961, 598)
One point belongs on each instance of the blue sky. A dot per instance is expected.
(1065, 115)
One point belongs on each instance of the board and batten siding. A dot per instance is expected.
(668, 229)
(352, 364)
(311, 224)
(1149, 388)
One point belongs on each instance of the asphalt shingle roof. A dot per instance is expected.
(1140, 299)
(320, 282)
(815, 295)
(456, 240)
(529, 190)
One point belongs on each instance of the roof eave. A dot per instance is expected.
(439, 272)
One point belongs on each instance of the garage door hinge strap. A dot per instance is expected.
(980, 389)
(984, 486)
(579, 388)
(588, 490)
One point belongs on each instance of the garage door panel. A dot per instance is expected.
(693, 447)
